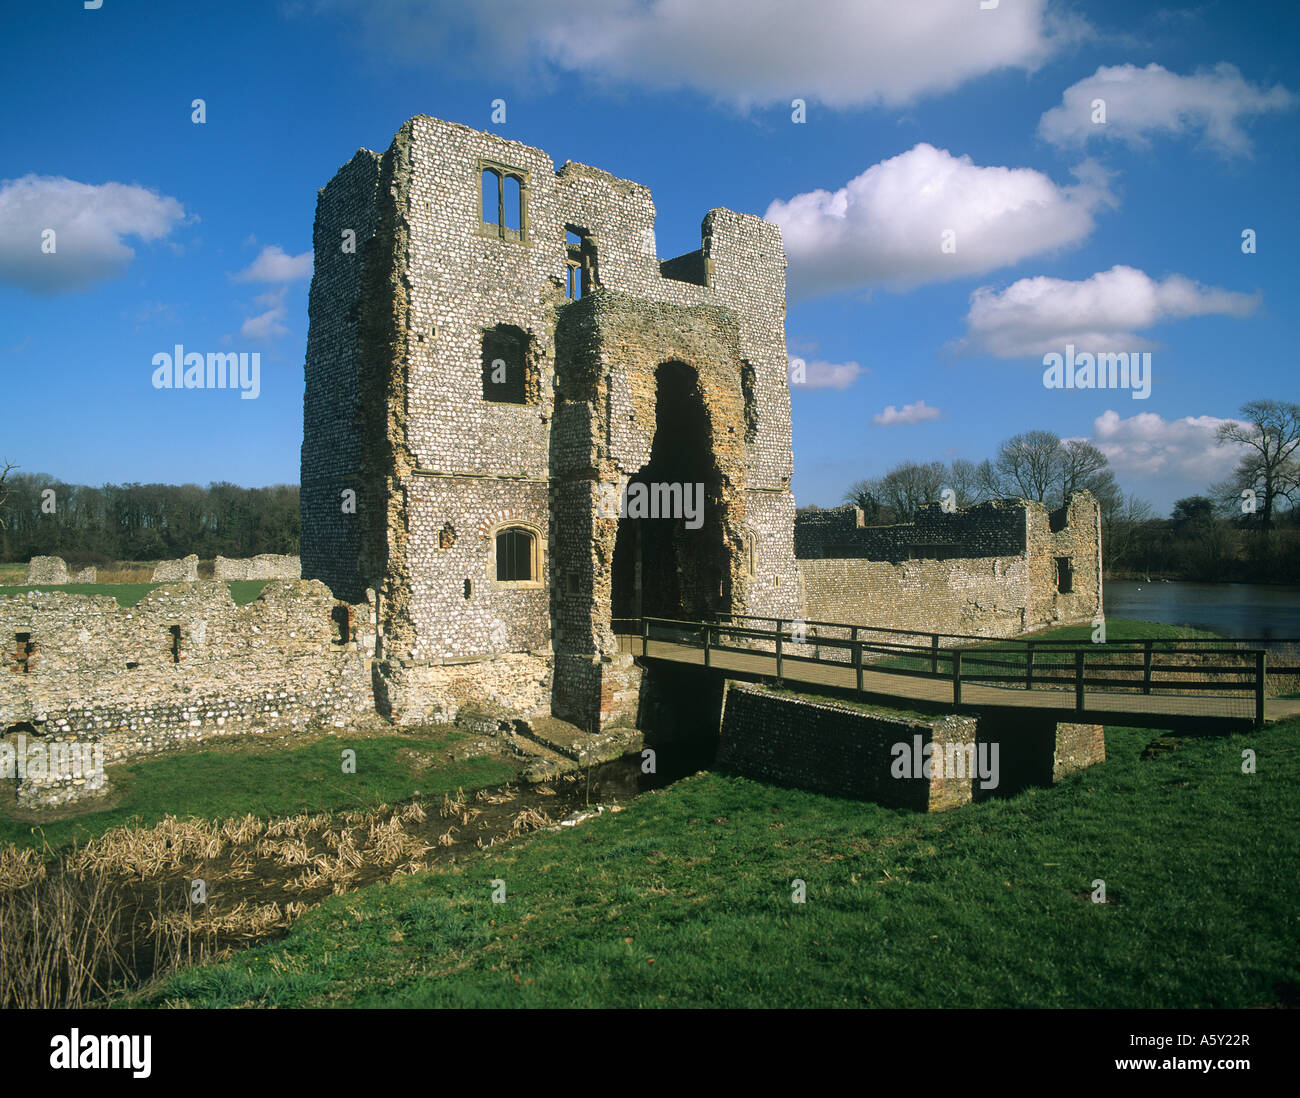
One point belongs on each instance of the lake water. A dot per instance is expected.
(1233, 609)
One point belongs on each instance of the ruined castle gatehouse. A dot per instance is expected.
(496, 360)
(501, 355)
(671, 558)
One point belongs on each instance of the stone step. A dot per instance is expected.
(581, 747)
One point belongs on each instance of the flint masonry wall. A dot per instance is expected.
(185, 570)
(439, 467)
(183, 664)
(262, 566)
(849, 750)
(47, 570)
(990, 570)
(837, 749)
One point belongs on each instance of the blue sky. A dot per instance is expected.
(1115, 235)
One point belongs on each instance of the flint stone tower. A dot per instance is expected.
(495, 350)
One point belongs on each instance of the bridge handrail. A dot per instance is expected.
(1243, 677)
(718, 618)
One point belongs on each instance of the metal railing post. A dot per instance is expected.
(857, 659)
(956, 676)
(934, 653)
(645, 636)
(1078, 680)
(1029, 665)
(707, 630)
(1261, 665)
(1146, 667)
(778, 649)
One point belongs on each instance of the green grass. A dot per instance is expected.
(684, 899)
(239, 778)
(1117, 629)
(128, 594)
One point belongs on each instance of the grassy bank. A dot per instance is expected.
(684, 899)
(241, 776)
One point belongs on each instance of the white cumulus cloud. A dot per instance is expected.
(91, 222)
(274, 265)
(917, 412)
(839, 52)
(824, 375)
(927, 216)
(269, 323)
(1149, 447)
(1104, 312)
(1141, 103)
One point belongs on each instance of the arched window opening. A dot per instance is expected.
(491, 197)
(516, 552)
(581, 275)
(513, 203)
(506, 368)
(341, 619)
(748, 387)
(503, 206)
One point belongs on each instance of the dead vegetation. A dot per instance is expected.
(123, 908)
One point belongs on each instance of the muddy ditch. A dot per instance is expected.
(135, 903)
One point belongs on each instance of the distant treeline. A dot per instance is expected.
(45, 516)
(1245, 529)
(1198, 542)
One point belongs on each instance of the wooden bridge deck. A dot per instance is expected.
(1096, 706)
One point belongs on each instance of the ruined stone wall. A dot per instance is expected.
(985, 597)
(990, 570)
(837, 749)
(185, 570)
(47, 570)
(263, 566)
(442, 466)
(1071, 533)
(184, 663)
(346, 216)
(993, 529)
(850, 751)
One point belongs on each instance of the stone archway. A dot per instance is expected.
(671, 558)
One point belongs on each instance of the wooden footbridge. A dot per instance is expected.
(1210, 683)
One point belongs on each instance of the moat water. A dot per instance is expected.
(1269, 612)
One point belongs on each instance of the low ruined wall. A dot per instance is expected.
(183, 664)
(262, 566)
(849, 751)
(47, 570)
(995, 570)
(835, 749)
(177, 571)
(512, 684)
(985, 597)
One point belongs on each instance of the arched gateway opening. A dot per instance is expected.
(670, 556)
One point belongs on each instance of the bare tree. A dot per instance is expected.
(865, 494)
(909, 486)
(1085, 468)
(1120, 530)
(966, 481)
(9, 467)
(1272, 471)
(1030, 464)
